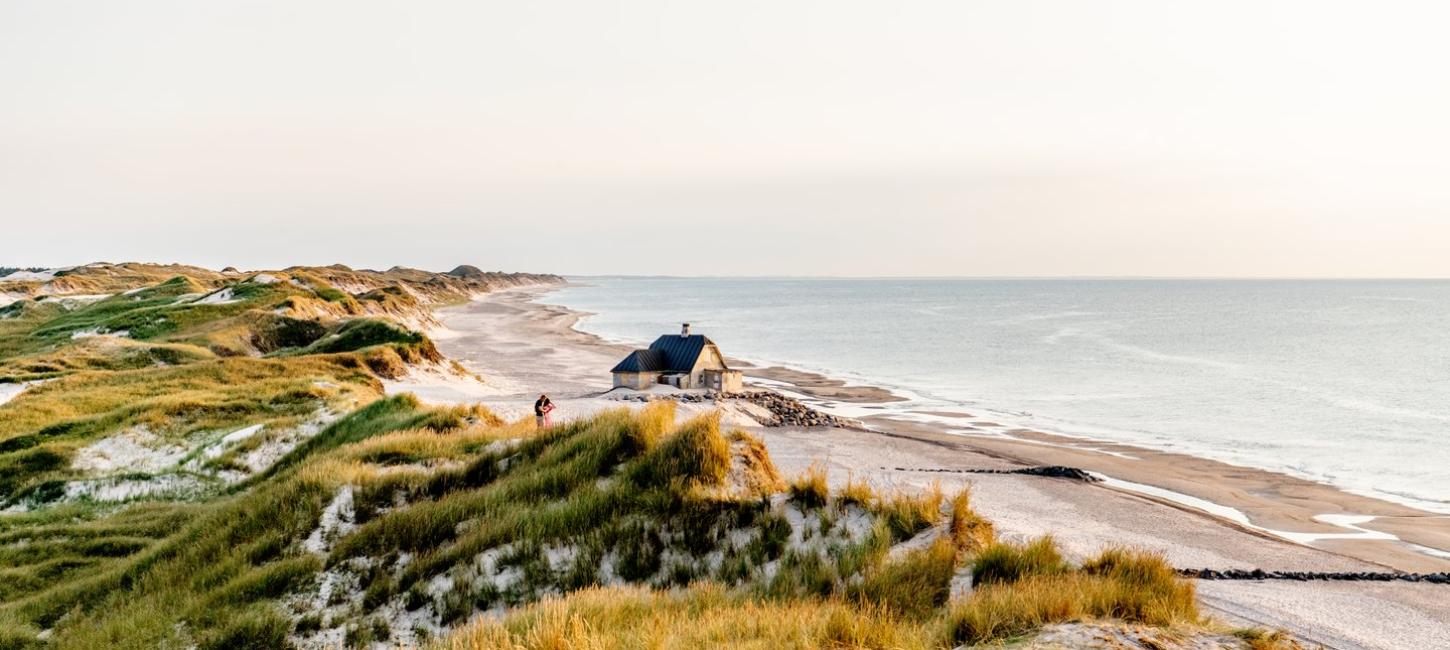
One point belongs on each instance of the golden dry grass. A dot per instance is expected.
(856, 492)
(969, 531)
(705, 616)
(1028, 587)
(810, 488)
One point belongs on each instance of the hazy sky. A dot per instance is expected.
(1018, 137)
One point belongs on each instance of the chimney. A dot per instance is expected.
(685, 329)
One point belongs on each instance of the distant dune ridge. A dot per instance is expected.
(211, 459)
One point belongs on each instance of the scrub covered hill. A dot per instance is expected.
(207, 459)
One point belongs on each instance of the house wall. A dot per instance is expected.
(725, 381)
(635, 380)
(709, 359)
(732, 381)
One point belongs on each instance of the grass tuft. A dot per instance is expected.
(810, 489)
(856, 492)
(970, 532)
(704, 616)
(1008, 563)
(908, 513)
(914, 585)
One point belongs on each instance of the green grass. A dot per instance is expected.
(623, 495)
(1024, 588)
(41, 429)
(705, 616)
(909, 513)
(1008, 563)
(915, 585)
(810, 489)
(362, 333)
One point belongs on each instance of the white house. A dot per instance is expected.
(684, 361)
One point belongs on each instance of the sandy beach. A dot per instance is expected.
(1200, 513)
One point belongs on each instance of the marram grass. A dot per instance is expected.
(717, 549)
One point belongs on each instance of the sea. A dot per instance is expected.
(1345, 382)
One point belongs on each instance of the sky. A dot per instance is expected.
(1267, 138)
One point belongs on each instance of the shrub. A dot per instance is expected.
(810, 489)
(1007, 563)
(915, 584)
(1145, 587)
(696, 455)
(758, 476)
(969, 531)
(856, 492)
(909, 513)
(998, 611)
(701, 616)
(260, 629)
(362, 333)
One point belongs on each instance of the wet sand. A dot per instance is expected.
(524, 348)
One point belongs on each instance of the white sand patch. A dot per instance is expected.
(354, 288)
(264, 278)
(285, 440)
(31, 276)
(221, 297)
(241, 434)
(338, 519)
(439, 384)
(11, 391)
(132, 292)
(82, 299)
(11, 297)
(273, 444)
(96, 331)
(232, 438)
(333, 595)
(118, 490)
(132, 450)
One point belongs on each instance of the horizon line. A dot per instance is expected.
(1270, 278)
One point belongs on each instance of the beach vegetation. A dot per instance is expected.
(370, 516)
(810, 489)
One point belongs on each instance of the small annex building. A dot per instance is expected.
(681, 360)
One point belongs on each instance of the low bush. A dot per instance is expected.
(908, 513)
(810, 489)
(916, 584)
(1008, 563)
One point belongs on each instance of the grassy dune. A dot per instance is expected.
(323, 514)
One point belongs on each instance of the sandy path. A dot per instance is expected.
(530, 348)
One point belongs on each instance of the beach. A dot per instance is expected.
(1199, 513)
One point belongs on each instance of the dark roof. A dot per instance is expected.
(669, 353)
(680, 352)
(641, 361)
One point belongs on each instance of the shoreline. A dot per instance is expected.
(1260, 501)
(522, 347)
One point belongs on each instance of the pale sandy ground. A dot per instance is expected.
(524, 348)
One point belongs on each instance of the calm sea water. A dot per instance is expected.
(1346, 382)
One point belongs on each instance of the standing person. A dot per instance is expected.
(542, 408)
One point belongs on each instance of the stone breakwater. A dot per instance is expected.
(784, 411)
(1306, 576)
(789, 412)
(1049, 471)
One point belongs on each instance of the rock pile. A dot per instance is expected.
(1352, 576)
(787, 412)
(784, 411)
(1049, 471)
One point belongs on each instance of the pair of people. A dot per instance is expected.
(542, 408)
